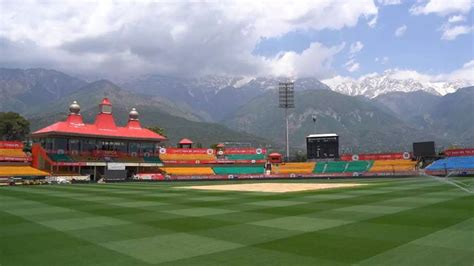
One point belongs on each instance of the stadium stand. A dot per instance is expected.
(238, 170)
(452, 163)
(293, 168)
(12, 153)
(130, 159)
(60, 157)
(342, 167)
(152, 159)
(78, 158)
(393, 166)
(21, 171)
(188, 170)
(187, 157)
(236, 157)
(358, 166)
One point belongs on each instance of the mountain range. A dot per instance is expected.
(43, 96)
(217, 108)
(21, 89)
(374, 85)
(451, 116)
(390, 122)
(213, 97)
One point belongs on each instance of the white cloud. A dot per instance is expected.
(336, 80)
(465, 74)
(352, 65)
(405, 74)
(315, 61)
(369, 75)
(383, 60)
(389, 2)
(106, 37)
(373, 22)
(400, 31)
(356, 47)
(451, 33)
(456, 18)
(442, 7)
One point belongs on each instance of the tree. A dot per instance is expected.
(13, 126)
(300, 157)
(158, 130)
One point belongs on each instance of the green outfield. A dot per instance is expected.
(410, 221)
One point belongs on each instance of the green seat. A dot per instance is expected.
(336, 167)
(342, 167)
(238, 170)
(246, 156)
(359, 166)
(152, 159)
(60, 158)
(319, 168)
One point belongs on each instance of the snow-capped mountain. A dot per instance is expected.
(374, 85)
(215, 97)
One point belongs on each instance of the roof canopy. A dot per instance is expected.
(322, 135)
(104, 126)
(185, 141)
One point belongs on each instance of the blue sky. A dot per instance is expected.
(420, 48)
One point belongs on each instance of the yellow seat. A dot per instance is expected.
(188, 170)
(393, 166)
(293, 168)
(12, 153)
(21, 171)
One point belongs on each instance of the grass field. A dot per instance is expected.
(412, 221)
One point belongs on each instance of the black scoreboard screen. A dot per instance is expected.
(322, 146)
(424, 149)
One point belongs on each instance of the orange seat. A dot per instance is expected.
(21, 171)
(188, 170)
(393, 166)
(293, 168)
(12, 153)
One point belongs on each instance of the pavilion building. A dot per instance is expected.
(101, 149)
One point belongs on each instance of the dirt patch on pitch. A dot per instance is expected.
(275, 187)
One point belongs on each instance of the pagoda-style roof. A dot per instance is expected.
(185, 142)
(104, 126)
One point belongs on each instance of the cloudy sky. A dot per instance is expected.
(431, 39)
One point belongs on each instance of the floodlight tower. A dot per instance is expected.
(315, 117)
(287, 101)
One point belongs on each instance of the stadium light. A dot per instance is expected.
(287, 100)
(315, 118)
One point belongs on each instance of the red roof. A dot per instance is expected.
(106, 101)
(185, 141)
(104, 126)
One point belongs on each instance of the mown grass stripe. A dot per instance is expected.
(313, 227)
